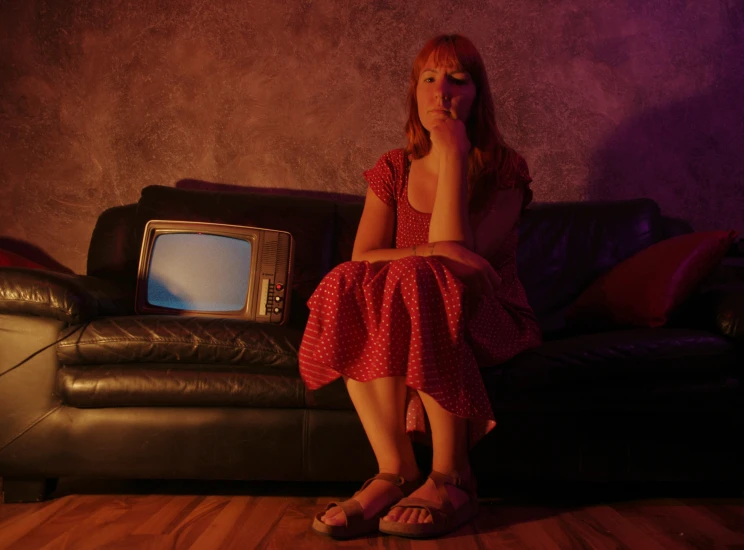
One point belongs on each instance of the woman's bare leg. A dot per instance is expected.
(380, 404)
(449, 434)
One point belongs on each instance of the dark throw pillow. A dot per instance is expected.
(643, 290)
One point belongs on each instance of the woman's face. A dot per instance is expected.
(443, 92)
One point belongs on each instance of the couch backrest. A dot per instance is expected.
(310, 221)
(563, 247)
(113, 252)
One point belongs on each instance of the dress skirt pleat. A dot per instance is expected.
(413, 318)
(406, 318)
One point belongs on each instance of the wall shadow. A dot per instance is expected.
(688, 155)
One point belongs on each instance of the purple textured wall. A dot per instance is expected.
(618, 99)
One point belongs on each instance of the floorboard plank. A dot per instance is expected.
(649, 528)
(722, 512)
(190, 528)
(172, 511)
(294, 528)
(259, 523)
(223, 525)
(627, 534)
(66, 525)
(663, 516)
(12, 531)
(703, 523)
(586, 532)
(271, 520)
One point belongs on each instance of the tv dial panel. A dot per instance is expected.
(275, 274)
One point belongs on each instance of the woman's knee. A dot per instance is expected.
(348, 269)
(351, 264)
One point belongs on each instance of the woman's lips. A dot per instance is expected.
(443, 112)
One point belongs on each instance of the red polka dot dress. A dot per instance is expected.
(412, 317)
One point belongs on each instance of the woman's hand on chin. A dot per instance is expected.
(472, 269)
(450, 137)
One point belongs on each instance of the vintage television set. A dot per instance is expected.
(212, 269)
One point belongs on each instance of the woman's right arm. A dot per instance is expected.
(374, 238)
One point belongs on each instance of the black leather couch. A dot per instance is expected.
(88, 389)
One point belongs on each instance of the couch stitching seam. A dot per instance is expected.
(29, 427)
(43, 302)
(169, 341)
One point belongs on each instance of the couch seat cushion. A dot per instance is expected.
(173, 339)
(139, 361)
(621, 367)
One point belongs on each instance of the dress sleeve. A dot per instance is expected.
(521, 179)
(381, 179)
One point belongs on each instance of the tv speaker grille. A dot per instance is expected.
(283, 254)
(269, 253)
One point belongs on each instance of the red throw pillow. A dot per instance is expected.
(644, 289)
(9, 259)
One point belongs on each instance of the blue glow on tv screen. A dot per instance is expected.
(199, 272)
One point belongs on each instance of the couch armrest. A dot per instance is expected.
(725, 289)
(729, 312)
(68, 298)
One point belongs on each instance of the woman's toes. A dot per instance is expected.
(333, 517)
(403, 518)
(393, 515)
(415, 513)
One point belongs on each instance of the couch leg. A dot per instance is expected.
(27, 490)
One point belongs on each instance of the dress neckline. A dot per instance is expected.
(406, 171)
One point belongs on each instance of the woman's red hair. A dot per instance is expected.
(490, 158)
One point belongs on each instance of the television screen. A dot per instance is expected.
(217, 282)
(212, 269)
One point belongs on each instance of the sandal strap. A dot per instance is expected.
(390, 478)
(406, 487)
(441, 479)
(436, 509)
(354, 511)
(414, 502)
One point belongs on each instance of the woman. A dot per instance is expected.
(431, 295)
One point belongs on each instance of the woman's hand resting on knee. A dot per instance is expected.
(472, 269)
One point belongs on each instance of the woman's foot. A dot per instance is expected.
(428, 491)
(373, 498)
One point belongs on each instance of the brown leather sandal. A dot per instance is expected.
(445, 518)
(356, 525)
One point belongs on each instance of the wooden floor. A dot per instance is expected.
(147, 515)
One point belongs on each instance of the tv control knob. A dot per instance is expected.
(277, 310)
(277, 298)
(279, 286)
